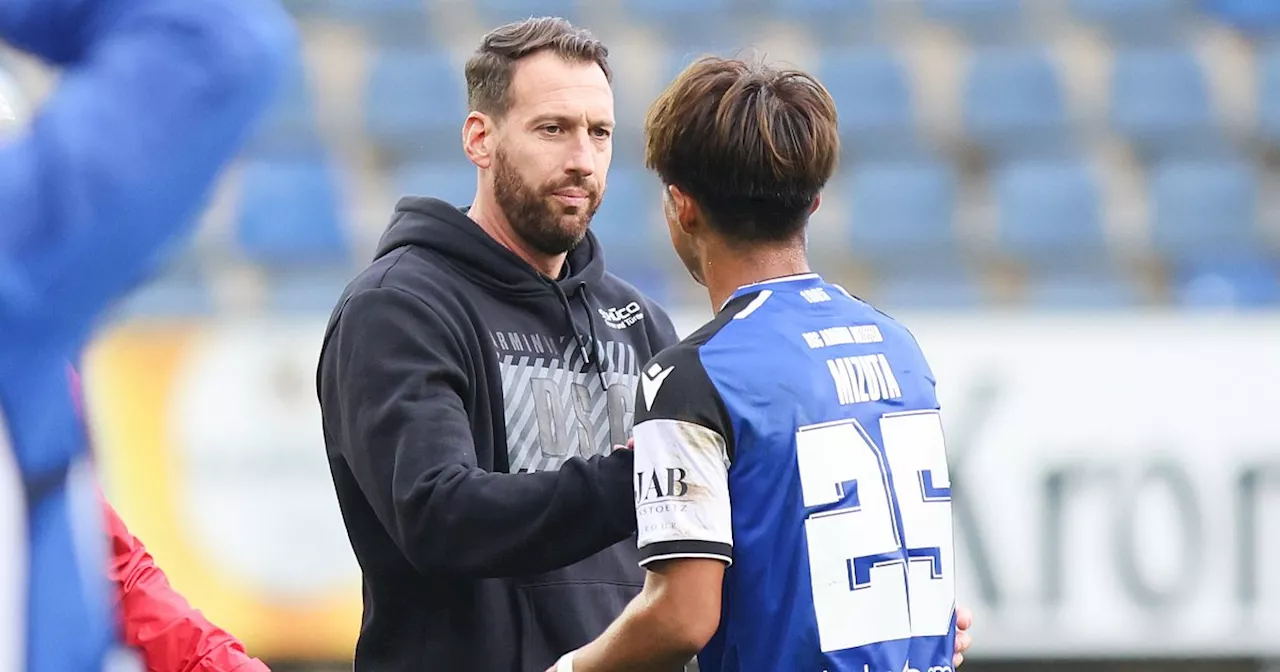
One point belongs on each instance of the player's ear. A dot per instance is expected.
(817, 203)
(686, 210)
(478, 138)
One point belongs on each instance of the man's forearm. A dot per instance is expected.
(640, 640)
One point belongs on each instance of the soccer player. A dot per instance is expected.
(155, 98)
(791, 487)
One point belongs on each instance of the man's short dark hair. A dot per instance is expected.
(490, 69)
(751, 144)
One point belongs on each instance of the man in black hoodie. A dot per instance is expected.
(477, 381)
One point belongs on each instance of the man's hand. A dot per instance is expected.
(964, 621)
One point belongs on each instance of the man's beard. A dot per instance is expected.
(543, 223)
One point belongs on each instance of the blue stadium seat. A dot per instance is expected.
(311, 290)
(1204, 210)
(676, 10)
(1013, 101)
(289, 125)
(1248, 283)
(1160, 99)
(290, 213)
(415, 102)
(902, 210)
(835, 21)
(1133, 21)
(401, 21)
(823, 9)
(872, 91)
(947, 286)
(629, 223)
(1268, 66)
(1247, 15)
(1049, 210)
(682, 22)
(501, 11)
(980, 19)
(451, 181)
(1090, 290)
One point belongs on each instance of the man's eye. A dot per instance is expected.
(552, 129)
(603, 132)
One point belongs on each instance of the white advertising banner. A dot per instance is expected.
(1116, 480)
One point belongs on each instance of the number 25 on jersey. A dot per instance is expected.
(880, 546)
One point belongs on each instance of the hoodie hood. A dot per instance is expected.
(436, 225)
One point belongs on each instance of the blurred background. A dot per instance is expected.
(1072, 203)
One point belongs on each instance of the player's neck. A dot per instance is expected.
(729, 268)
(495, 223)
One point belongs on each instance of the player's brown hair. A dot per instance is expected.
(753, 145)
(490, 68)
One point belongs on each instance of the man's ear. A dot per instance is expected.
(687, 213)
(817, 202)
(478, 134)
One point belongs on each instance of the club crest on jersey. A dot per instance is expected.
(623, 317)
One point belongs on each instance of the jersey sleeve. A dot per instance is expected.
(683, 443)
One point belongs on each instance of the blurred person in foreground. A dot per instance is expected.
(155, 97)
(792, 495)
(157, 623)
(476, 382)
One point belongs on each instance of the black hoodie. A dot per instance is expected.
(470, 407)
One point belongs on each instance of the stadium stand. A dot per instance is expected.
(933, 81)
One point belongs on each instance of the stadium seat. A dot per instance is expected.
(902, 210)
(389, 21)
(1250, 283)
(495, 12)
(944, 286)
(415, 102)
(1013, 101)
(676, 10)
(1089, 290)
(1204, 210)
(1049, 211)
(629, 223)
(450, 181)
(844, 10)
(872, 91)
(979, 19)
(290, 213)
(682, 22)
(1246, 15)
(289, 125)
(311, 291)
(835, 21)
(1268, 68)
(1160, 100)
(1135, 21)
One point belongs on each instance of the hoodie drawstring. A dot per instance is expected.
(595, 342)
(586, 344)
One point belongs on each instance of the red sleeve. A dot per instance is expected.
(158, 622)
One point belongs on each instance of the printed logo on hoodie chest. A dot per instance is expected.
(557, 405)
(622, 317)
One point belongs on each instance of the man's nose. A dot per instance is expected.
(582, 156)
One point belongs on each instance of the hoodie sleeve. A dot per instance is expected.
(155, 99)
(396, 390)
